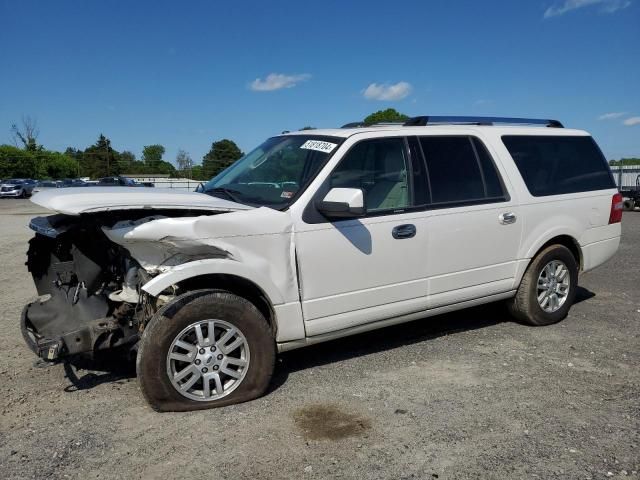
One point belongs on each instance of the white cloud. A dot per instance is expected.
(629, 122)
(385, 91)
(615, 5)
(606, 6)
(276, 81)
(611, 116)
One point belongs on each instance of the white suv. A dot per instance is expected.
(316, 235)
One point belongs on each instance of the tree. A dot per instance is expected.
(196, 173)
(624, 161)
(16, 162)
(126, 160)
(184, 162)
(164, 168)
(55, 165)
(28, 134)
(100, 160)
(222, 154)
(73, 153)
(152, 156)
(388, 115)
(20, 163)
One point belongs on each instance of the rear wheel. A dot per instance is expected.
(205, 349)
(548, 287)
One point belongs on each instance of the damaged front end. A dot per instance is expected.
(102, 275)
(89, 287)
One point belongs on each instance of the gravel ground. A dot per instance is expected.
(464, 395)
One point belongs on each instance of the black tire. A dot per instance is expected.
(186, 309)
(23, 194)
(525, 307)
(628, 205)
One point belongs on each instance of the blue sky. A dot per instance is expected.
(183, 74)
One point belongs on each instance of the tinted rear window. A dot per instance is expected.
(552, 165)
(460, 170)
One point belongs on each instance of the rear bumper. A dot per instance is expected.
(597, 253)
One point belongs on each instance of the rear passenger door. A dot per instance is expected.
(473, 225)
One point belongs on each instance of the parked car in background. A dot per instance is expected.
(44, 185)
(116, 182)
(73, 182)
(17, 188)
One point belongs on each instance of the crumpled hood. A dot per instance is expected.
(255, 244)
(78, 200)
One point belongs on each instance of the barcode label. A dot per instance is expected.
(326, 147)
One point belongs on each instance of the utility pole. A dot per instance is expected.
(108, 165)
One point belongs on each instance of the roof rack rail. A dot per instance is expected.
(439, 120)
(378, 124)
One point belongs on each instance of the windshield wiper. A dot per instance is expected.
(229, 192)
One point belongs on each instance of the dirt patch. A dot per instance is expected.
(329, 422)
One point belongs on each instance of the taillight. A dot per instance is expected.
(616, 209)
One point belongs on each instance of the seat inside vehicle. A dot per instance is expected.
(390, 187)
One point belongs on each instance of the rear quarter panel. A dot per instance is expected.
(583, 216)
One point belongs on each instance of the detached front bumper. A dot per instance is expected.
(70, 338)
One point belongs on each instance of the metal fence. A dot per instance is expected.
(178, 183)
(626, 176)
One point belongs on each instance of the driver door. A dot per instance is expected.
(356, 271)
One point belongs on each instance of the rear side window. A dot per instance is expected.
(553, 165)
(460, 170)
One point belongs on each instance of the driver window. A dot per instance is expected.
(379, 168)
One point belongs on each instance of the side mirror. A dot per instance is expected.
(342, 203)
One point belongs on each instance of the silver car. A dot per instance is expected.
(17, 188)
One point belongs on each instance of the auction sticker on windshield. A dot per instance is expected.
(326, 147)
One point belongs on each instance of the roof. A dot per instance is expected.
(443, 130)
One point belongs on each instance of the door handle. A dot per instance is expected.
(404, 231)
(507, 218)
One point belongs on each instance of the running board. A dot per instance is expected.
(325, 337)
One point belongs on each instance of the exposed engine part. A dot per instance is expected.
(89, 287)
(129, 292)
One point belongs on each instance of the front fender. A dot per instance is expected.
(197, 268)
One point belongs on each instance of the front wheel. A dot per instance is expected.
(205, 349)
(547, 289)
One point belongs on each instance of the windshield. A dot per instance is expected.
(276, 172)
